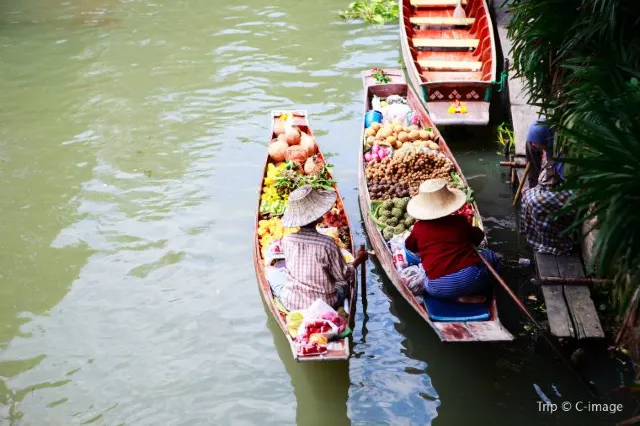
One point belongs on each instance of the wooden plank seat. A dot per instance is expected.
(470, 43)
(436, 3)
(452, 76)
(439, 65)
(441, 20)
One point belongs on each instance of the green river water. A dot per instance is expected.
(132, 137)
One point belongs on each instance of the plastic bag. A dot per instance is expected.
(318, 309)
(395, 112)
(294, 319)
(414, 278)
(336, 319)
(274, 251)
(310, 327)
(310, 349)
(412, 258)
(396, 99)
(397, 250)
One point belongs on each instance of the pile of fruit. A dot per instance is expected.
(270, 230)
(392, 214)
(395, 134)
(336, 218)
(274, 199)
(468, 212)
(402, 175)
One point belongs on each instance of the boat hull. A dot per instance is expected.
(442, 78)
(477, 331)
(339, 350)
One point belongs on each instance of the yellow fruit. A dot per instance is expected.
(319, 339)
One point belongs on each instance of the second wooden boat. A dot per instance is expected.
(450, 59)
(338, 349)
(490, 329)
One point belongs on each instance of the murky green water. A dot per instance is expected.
(131, 140)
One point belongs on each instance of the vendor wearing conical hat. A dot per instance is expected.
(446, 244)
(314, 262)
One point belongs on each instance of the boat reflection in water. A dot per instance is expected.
(320, 388)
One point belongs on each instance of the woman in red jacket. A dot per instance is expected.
(446, 244)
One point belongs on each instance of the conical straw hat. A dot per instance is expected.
(435, 200)
(307, 205)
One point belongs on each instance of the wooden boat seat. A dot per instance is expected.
(470, 43)
(441, 20)
(452, 76)
(436, 3)
(450, 65)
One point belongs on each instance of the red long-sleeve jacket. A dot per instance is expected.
(445, 245)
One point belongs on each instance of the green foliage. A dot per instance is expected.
(580, 60)
(506, 139)
(372, 11)
(457, 182)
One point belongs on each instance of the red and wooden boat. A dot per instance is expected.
(471, 331)
(450, 59)
(338, 349)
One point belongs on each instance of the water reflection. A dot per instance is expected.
(321, 388)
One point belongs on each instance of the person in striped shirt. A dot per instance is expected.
(315, 266)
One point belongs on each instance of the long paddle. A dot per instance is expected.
(363, 283)
(543, 331)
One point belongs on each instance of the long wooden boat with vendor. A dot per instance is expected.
(269, 231)
(452, 322)
(450, 60)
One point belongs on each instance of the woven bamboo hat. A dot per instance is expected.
(435, 200)
(307, 205)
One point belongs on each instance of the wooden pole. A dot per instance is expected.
(363, 283)
(543, 332)
(524, 178)
(513, 164)
(570, 281)
(513, 171)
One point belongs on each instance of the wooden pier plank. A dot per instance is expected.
(557, 312)
(583, 312)
(547, 265)
(570, 266)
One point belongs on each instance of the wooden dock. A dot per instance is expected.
(522, 114)
(570, 309)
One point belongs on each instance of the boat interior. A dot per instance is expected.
(438, 310)
(445, 48)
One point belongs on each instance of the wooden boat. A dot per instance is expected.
(449, 59)
(471, 331)
(338, 349)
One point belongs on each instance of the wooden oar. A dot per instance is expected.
(363, 283)
(524, 177)
(543, 331)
